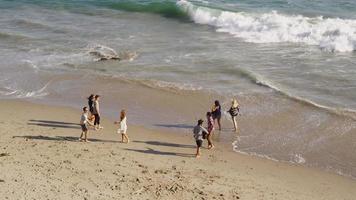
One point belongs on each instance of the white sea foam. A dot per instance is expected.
(298, 158)
(9, 92)
(295, 158)
(330, 34)
(31, 64)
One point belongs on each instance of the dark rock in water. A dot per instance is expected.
(104, 53)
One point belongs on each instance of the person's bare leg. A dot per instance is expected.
(235, 123)
(86, 136)
(210, 140)
(197, 155)
(127, 138)
(219, 123)
(81, 136)
(122, 138)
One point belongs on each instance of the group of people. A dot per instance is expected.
(213, 117)
(91, 117)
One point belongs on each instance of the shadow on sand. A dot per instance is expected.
(164, 153)
(61, 138)
(53, 124)
(157, 143)
(182, 126)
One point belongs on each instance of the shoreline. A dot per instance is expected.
(299, 133)
(155, 164)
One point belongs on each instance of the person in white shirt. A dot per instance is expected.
(83, 123)
(123, 127)
(199, 133)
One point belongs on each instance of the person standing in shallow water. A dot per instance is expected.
(216, 113)
(96, 112)
(210, 130)
(234, 111)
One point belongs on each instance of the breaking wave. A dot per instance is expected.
(329, 34)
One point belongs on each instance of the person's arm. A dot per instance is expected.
(90, 123)
(117, 122)
(97, 108)
(204, 130)
(213, 109)
(87, 121)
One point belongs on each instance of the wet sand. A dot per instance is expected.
(40, 158)
(272, 125)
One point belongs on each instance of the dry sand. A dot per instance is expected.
(41, 158)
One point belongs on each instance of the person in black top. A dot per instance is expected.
(91, 116)
(216, 112)
(234, 111)
(90, 103)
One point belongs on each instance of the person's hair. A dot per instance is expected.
(91, 97)
(234, 103)
(84, 108)
(208, 114)
(122, 114)
(96, 96)
(200, 122)
(217, 103)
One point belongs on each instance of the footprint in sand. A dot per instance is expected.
(4, 154)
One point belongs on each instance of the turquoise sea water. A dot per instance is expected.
(278, 52)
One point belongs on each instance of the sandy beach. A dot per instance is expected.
(41, 158)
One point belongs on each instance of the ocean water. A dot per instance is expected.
(291, 63)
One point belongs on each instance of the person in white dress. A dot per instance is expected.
(123, 127)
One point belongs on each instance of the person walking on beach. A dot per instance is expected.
(210, 130)
(216, 113)
(91, 102)
(123, 127)
(198, 132)
(83, 123)
(91, 117)
(96, 112)
(234, 111)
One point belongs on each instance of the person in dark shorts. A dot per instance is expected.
(216, 113)
(84, 125)
(198, 132)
